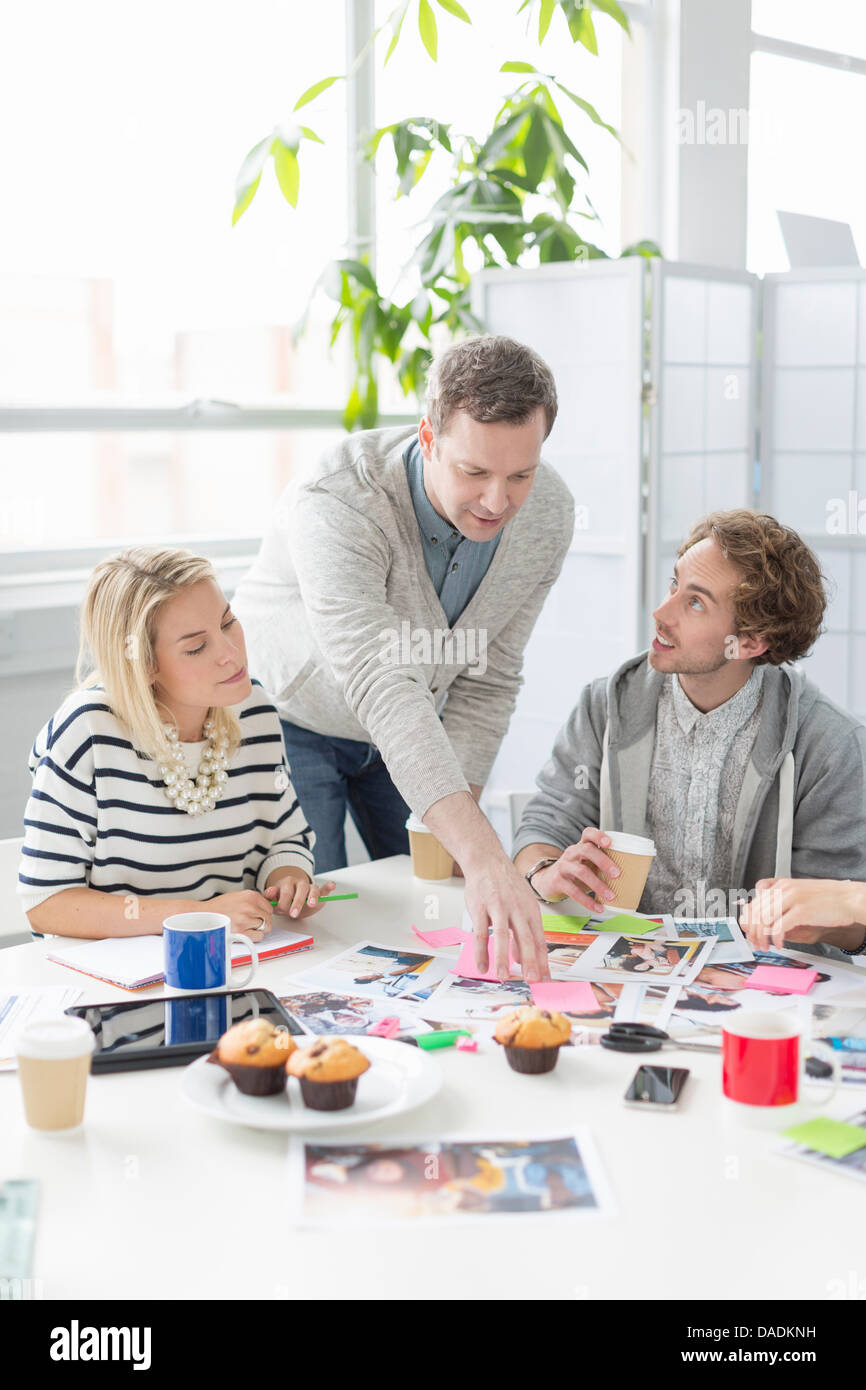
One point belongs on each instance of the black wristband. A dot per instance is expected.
(858, 950)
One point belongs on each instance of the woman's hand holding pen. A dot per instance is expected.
(294, 894)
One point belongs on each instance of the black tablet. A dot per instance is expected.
(173, 1031)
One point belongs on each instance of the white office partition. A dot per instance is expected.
(703, 406)
(813, 451)
(587, 321)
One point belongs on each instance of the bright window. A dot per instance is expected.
(805, 128)
(465, 89)
(122, 132)
(837, 25)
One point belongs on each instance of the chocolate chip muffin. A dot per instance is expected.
(328, 1072)
(254, 1054)
(532, 1037)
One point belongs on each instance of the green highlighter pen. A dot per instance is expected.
(446, 1038)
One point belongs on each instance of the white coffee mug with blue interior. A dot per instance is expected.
(197, 953)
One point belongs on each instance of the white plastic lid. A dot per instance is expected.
(413, 823)
(629, 844)
(55, 1038)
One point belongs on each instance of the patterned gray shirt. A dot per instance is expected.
(699, 761)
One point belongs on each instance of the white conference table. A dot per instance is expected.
(153, 1199)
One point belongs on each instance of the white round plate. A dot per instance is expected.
(400, 1078)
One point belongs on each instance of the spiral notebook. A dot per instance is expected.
(136, 962)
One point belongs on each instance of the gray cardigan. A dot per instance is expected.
(345, 630)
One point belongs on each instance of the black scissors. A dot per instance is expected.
(640, 1037)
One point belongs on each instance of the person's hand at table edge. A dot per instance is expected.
(499, 897)
(496, 894)
(788, 910)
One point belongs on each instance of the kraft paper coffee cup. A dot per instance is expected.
(53, 1065)
(633, 856)
(430, 860)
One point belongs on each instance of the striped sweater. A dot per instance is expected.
(98, 815)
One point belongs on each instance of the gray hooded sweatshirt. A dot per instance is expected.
(802, 806)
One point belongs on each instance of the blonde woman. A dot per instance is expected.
(160, 785)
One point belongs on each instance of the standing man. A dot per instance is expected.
(388, 611)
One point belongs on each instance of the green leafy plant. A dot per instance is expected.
(516, 195)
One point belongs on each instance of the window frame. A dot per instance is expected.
(26, 573)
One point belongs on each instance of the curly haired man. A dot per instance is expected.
(711, 742)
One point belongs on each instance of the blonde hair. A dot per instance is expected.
(119, 617)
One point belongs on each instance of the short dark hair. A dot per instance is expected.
(781, 595)
(493, 379)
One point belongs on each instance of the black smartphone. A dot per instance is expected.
(656, 1088)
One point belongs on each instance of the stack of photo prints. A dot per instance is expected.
(684, 975)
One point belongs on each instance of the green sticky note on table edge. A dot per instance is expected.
(831, 1137)
(552, 921)
(626, 925)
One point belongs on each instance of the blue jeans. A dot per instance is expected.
(333, 775)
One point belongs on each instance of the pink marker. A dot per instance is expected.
(466, 1045)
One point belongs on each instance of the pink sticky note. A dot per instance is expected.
(782, 979)
(385, 1028)
(574, 996)
(466, 964)
(448, 936)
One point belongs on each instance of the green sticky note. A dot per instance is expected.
(629, 926)
(830, 1137)
(552, 921)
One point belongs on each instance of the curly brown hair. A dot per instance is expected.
(781, 596)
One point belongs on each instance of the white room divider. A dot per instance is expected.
(646, 453)
(587, 321)
(703, 406)
(813, 450)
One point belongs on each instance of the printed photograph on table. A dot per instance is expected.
(608, 1001)
(562, 957)
(655, 1005)
(322, 1011)
(842, 1025)
(459, 1000)
(381, 972)
(720, 989)
(734, 975)
(635, 959)
(851, 1165)
(637, 956)
(731, 944)
(344, 1185)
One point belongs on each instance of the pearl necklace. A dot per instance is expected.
(196, 797)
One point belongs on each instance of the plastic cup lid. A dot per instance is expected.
(629, 844)
(413, 823)
(55, 1038)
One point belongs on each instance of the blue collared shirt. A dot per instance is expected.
(456, 566)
